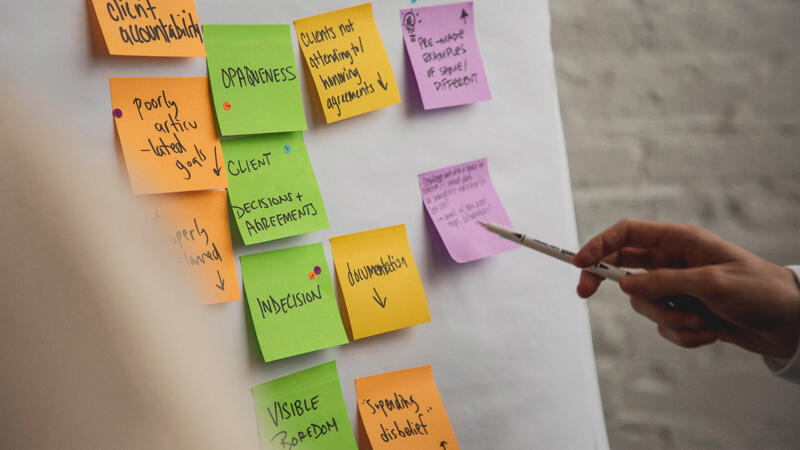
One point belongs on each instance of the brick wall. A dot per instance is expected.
(684, 111)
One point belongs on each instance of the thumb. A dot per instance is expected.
(661, 283)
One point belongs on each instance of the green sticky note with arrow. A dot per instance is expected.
(254, 79)
(272, 187)
(291, 300)
(304, 410)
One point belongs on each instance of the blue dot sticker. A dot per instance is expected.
(287, 148)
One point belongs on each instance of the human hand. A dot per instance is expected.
(758, 301)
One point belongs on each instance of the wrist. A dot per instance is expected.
(789, 368)
(794, 271)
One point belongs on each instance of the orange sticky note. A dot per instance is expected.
(379, 281)
(403, 410)
(196, 226)
(150, 27)
(347, 60)
(168, 136)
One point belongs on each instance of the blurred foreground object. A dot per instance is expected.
(101, 347)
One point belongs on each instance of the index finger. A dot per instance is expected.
(625, 233)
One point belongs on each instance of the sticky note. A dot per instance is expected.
(403, 410)
(166, 129)
(273, 189)
(379, 281)
(150, 28)
(292, 302)
(345, 55)
(195, 225)
(304, 410)
(254, 79)
(457, 199)
(443, 50)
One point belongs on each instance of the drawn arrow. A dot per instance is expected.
(380, 82)
(221, 284)
(377, 298)
(217, 168)
(443, 444)
(464, 15)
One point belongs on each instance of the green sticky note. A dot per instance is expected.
(254, 79)
(304, 410)
(292, 302)
(272, 187)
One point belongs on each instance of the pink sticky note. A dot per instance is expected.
(457, 198)
(441, 44)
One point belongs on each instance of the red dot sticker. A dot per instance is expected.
(117, 113)
(227, 106)
(312, 275)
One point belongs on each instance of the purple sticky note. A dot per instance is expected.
(441, 44)
(457, 198)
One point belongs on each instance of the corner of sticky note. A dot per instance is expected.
(346, 58)
(457, 199)
(403, 410)
(152, 28)
(442, 47)
(196, 227)
(380, 284)
(305, 407)
(292, 302)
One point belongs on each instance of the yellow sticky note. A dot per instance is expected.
(346, 58)
(402, 410)
(150, 27)
(196, 226)
(379, 281)
(168, 136)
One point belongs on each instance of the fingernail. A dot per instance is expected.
(626, 283)
(579, 260)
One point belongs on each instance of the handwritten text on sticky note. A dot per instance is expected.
(379, 280)
(443, 50)
(403, 410)
(304, 410)
(348, 63)
(457, 198)
(254, 79)
(167, 132)
(150, 28)
(196, 227)
(273, 189)
(292, 302)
